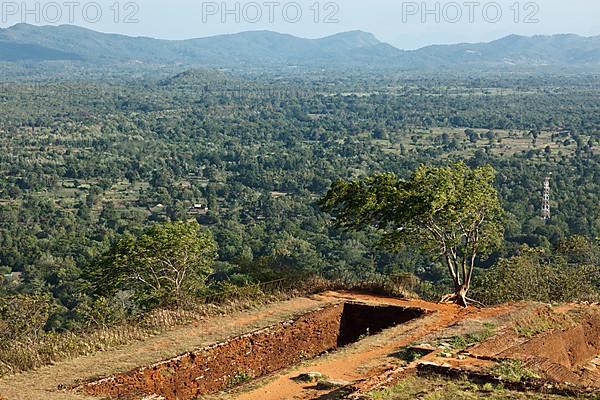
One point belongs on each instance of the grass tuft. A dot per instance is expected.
(513, 371)
(464, 341)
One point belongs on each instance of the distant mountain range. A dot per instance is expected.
(23, 43)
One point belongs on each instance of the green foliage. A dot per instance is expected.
(451, 211)
(580, 250)
(409, 354)
(534, 276)
(28, 345)
(513, 371)
(100, 311)
(23, 317)
(439, 388)
(167, 264)
(240, 377)
(464, 341)
(87, 162)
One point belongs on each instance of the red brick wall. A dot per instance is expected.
(217, 367)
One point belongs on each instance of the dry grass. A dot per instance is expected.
(198, 334)
(159, 335)
(546, 320)
(19, 356)
(49, 348)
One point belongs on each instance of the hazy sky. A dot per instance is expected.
(403, 24)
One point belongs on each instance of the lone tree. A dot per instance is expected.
(453, 211)
(166, 264)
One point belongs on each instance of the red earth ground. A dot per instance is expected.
(365, 364)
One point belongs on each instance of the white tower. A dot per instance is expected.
(546, 200)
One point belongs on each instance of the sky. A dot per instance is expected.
(404, 24)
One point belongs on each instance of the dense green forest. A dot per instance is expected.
(84, 163)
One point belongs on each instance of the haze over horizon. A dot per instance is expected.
(405, 25)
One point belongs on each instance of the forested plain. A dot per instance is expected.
(84, 163)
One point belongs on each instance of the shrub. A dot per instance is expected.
(535, 277)
(23, 317)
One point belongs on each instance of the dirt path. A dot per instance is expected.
(358, 361)
(43, 383)
(363, 359)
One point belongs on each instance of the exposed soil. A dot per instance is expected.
(369, 358)
(255, 354)
(566, 354)
(368, 364)
(561, 355)
(46, 383)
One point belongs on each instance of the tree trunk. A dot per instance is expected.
(459, 296)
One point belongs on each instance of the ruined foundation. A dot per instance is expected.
(255, 354)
